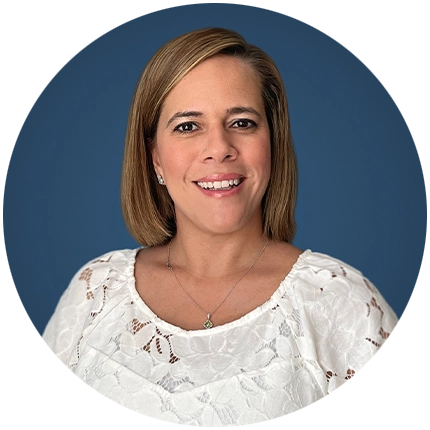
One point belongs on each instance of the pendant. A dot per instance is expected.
(208, 323)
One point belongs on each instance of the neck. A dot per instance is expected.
(208, 255)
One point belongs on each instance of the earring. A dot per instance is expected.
(160, 179)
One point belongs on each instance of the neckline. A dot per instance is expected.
(219, 328)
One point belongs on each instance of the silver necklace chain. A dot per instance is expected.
(208, 323)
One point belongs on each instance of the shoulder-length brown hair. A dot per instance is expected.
(147, 207)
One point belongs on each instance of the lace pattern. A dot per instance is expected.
(324, 322)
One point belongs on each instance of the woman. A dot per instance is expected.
(218, 319)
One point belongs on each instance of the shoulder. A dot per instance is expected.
(343, 316)
(323, 261)
(321, 271)
(104, 274)
(335, 289)
(87, 295)
(120, 260)
(110, 266)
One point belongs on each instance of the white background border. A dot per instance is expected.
(35, 36)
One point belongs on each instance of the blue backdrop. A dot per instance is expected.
(361, 187)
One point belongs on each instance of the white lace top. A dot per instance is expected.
(322, 324)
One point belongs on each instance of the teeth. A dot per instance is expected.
(220, 185)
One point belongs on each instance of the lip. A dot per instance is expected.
(220, 177)
(220, 193)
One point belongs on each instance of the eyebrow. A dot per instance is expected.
(194, 114)
(243, 109)
(184, 114)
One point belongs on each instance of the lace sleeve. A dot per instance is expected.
(350, 321)
(74, 311)
(347, 321)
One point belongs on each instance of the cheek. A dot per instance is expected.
(265, 157)
(266, 165)
(175, 161)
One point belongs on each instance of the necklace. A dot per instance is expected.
(208, 323)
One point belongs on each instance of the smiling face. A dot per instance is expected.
(212, 147)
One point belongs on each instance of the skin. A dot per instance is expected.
(212, 139)
(213, 126)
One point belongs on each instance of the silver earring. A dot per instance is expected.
(160, 179)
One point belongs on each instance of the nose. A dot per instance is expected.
(218, 145)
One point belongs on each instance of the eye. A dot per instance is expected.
(244, 123)
(185, 127)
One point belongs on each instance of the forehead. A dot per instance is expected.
(219, 80)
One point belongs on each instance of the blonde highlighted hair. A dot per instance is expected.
(147, 207)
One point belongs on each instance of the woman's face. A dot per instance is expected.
(212, 146)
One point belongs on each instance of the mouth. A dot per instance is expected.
(224, 185)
